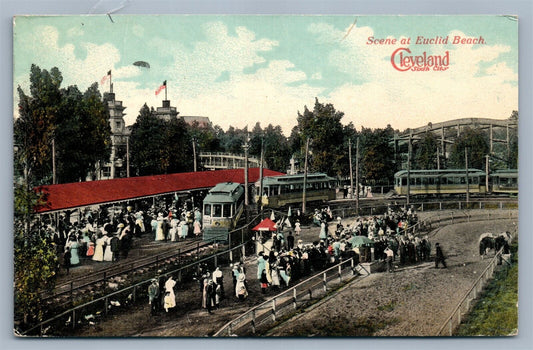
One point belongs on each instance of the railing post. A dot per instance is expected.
(134, 293)
(105, 305)
(459, 205)
(274, 309)
(216, 260)
(325, 283)
(310, 294)
(340, 273)
(73, 318)
(422, 206)
(105, 281)
(450, 323)
(253, 321)
(440, 205)
(243, 251)
(72, 293)
(479, 204)
(198, 251)
(501, 205)
(459, 315)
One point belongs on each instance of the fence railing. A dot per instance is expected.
(268, 312)
(101, 306)
(454, 320)
(315, 287)
(238, 252)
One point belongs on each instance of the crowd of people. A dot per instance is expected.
(107, 235)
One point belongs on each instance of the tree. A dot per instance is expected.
(83, 134)
(475, 141)
(377, 163)
(276, 152)
(158, 146)
(33, 129)
(77, 124)
(322, 126)
(426, 152)
(35, 259)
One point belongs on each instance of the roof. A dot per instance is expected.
(441, 172)
(265, 225)
(81, 194)
(297, 179)
(226, 192)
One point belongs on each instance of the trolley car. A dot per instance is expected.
(222, 207)
(279, 191)
(505, 181)
(439, 182)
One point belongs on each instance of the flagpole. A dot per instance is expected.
(166, 88)
(110, 83)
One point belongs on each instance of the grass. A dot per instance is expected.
(496, 312)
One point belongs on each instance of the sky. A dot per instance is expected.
(239, 70)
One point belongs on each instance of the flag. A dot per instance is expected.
(159, 89)
(105, 78)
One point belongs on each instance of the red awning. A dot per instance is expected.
(81, 194)
(265, 225)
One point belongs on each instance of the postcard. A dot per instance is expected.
(265, 176)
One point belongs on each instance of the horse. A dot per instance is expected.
(502, 241)
(486, 242)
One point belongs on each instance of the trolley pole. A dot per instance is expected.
(305, 175)
(260, 192)
(194, 152)
(487, 174)
(351, 171)
(356, 176)
(467, 182)
(246, 145)
(409, 168)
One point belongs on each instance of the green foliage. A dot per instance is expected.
(35, 260)
(426, 152)
(377, 155)
(496, 312)
(78, 124)
(158, 146)
(476, 142)
(276, 153)
(323, 127)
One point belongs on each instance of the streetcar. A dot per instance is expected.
(440, 182)
(279, 191)
(504, 181)
(222, 207)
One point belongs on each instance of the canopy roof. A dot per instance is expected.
(265, 225)
(82, 194)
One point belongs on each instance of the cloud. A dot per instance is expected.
(380, 93)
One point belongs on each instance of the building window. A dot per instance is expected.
(106, 171)
(118, 125)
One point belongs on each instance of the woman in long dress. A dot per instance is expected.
(323, 231)
(184, 230)
(159, 234)
(99, 249)
(74, 257)
(197, 228)
(108, 253)
(240, 287)
(170, 297)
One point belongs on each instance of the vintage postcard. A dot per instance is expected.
(265, 176)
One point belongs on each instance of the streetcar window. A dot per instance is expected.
(207, 209)
(463, 180)
(217, 210)
(424, 181)
(404, 181)
(226, 210)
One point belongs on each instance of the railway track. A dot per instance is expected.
(94, 281)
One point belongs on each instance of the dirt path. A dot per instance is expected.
(413, 301)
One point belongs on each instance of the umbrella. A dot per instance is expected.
(358, 241)
(265, 225)
(142, 64)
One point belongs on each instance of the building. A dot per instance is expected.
(117, 165)
(166, 112)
